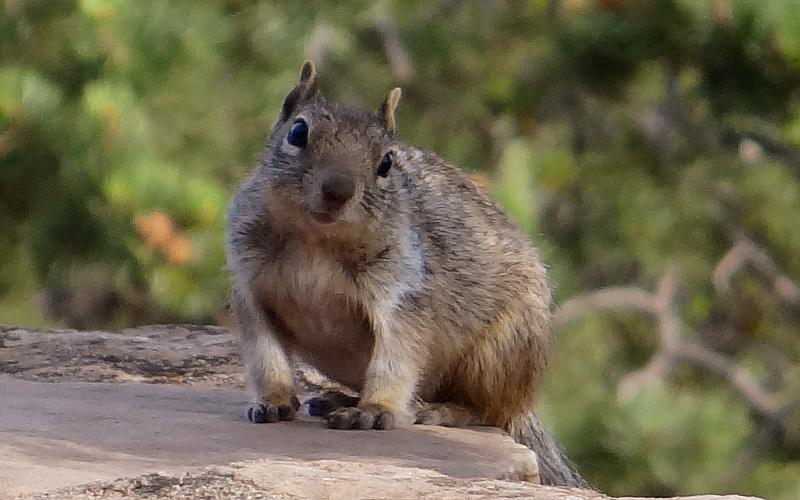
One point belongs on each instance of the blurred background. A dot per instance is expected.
(650, 148)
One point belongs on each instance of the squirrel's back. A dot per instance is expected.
(485, 289)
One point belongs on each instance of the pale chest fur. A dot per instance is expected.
(312, 301)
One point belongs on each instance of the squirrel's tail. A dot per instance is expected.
(554, 466)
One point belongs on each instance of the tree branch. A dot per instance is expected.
(744, 252)
(788, 154)
(656, 370)
(399, 61)
(736, 375)
(607, 298)
(673, 348)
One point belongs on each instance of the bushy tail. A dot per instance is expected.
(554, 466)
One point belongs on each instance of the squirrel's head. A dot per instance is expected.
(327, 163)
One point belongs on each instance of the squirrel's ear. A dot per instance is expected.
(305, 89)
(387, 109)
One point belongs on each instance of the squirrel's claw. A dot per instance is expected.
(268, 413)
(368, 417)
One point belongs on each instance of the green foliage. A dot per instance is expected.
(625, 136)
(658, 442)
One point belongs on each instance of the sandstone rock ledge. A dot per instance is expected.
(156, 412)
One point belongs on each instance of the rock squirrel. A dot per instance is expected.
(390, 271)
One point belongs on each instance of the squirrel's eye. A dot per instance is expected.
(298, 134)
(385, 164)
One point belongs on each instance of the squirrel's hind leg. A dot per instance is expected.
(446, 415)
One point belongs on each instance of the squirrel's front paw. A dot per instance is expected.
(260, 413)
(366, 417)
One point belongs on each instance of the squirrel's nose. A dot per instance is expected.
(337, 190)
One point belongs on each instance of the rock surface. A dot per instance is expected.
(73, 432)
(156, 412)
(181, 354)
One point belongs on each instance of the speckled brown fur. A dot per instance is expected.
(419, 292)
